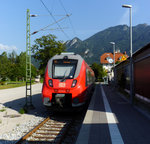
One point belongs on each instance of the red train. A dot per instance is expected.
(68, 79)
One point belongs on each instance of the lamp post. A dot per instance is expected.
(113, 43)
(131, 59)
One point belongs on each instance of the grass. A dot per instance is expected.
(22, 111)
(17, 125)
(6, 85)
(2, 110)
(12, 85)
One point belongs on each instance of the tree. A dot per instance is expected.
(13, 69)
(21, 65)
(13, 66)
(5, 66)
(45, 48)
(99, 71)
(12, 57)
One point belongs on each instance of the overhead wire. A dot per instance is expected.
(68, 17)
(52, 5)
(55, 29)
(54, 19)
(45, 15)
(42, 29)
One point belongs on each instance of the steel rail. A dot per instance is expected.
(32, 131)
(65, 132)
(57, 130)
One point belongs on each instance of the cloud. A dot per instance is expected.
(7, 47)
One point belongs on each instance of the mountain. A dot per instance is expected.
(74, 43)
(99, 43)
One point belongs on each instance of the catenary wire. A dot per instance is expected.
(42, 29)
(54, 19)
(68, 17)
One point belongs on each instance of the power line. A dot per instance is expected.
(68, 17)
(55, 29)
(52, 5)
(42, 29)
(33, 15)
(54, 19)
(62, 5)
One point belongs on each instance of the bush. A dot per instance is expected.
(22, 111)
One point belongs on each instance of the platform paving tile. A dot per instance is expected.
(97, 128)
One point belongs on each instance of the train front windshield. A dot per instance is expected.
(64, 69)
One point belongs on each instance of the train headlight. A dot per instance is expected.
(50, 82)
(74, 83)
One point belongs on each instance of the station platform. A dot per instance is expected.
(111, 119)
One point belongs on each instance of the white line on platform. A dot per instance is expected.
(113, 128)
(85, 129)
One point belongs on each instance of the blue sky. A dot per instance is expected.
(87, 18)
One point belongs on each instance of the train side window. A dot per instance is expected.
(88, 77)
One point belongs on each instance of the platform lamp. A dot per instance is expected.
(131, 59)
(113, 43)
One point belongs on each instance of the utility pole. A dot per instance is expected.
(28, 104)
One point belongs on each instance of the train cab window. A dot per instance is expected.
(64, 69)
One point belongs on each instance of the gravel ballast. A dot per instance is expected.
(14, 125)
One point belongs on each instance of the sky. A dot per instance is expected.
(87, 17)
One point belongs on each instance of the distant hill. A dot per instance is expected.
(35, 62)
(99, 43)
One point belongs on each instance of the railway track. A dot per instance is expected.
(56, 130)
(51, 131)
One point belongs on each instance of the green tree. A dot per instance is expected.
(13, 67)
(12, 57)
(12, 74)
(45, 48)
(33, 71)
(5, 66)
(21, 65)
(99, 71)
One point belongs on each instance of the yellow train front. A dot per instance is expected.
(68, 80)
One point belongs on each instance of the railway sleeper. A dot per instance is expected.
(49, 133)
(50, 129)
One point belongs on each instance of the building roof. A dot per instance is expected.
(108, 58)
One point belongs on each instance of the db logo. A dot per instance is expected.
(62, 84)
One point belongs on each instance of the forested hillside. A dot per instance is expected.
(99, 43)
